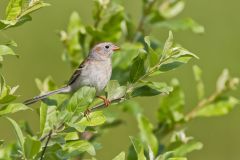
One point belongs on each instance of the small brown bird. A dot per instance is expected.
(94, 71)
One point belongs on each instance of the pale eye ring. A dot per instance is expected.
(107, 46)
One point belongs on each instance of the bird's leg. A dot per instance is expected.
(106, 101)
(86, 114)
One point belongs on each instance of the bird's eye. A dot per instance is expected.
(107, 46)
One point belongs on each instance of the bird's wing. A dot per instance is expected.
(77, 72)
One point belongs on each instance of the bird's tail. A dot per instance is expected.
(65, 89)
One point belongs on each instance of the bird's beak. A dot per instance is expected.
(115, 48)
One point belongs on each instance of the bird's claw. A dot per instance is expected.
(106, 102)
(87, 113)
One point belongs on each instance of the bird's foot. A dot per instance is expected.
(106, 101)
(87, 113)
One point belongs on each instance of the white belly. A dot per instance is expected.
(96, 75)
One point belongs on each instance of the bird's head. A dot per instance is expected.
(103, 50)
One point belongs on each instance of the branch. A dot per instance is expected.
(203, 103)
(102, 105)
(44, 137)
(45, 147)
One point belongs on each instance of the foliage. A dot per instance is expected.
(66, 133)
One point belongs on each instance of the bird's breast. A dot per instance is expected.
(96, 74)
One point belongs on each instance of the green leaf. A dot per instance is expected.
(169, 156)
(221, 106)
(173, 64)
(1, 142)
(120, 156)
(2, 84)
(138, 146)
(184, 149)
(52, 119)
(146, 1)
(180, 145)
(222, 80)
(225, 82)
(13, 9)
(74, 40)
(2, 26)
(122, 61)
(75, 25)
(7, 98)
(146, 133)
(18, 12)
(198, 77)
(114, 90)
(128, 28)
(170, 9)
(12, 108)
(168, 45)
(18, 22)
(94, 119)
(177, 57)
(103, 3)
(153, 57)
(24, 125)
(43, 117)
(53, 152)
(181, 24)
(151, 89)
(31, 147)
(79, 146)
(18, 132)
(112, 27)
(11, 43)
(7, 93)
(46, 85)
(165, 156)
(34, 7)
(71, 136)
(81, 99)
(171, 107)
(233, 83)
(138, 69)
(178, 52)
(128, 52)
(5, 50)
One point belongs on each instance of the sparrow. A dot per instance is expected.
(94, 71)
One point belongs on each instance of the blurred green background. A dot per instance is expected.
(40, 55)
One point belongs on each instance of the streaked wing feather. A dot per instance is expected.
(77, 72)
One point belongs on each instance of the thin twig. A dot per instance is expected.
(203, 103)
(45, 147)
(102, 105)
(44, 137)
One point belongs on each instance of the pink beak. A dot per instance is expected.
(115, 48)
